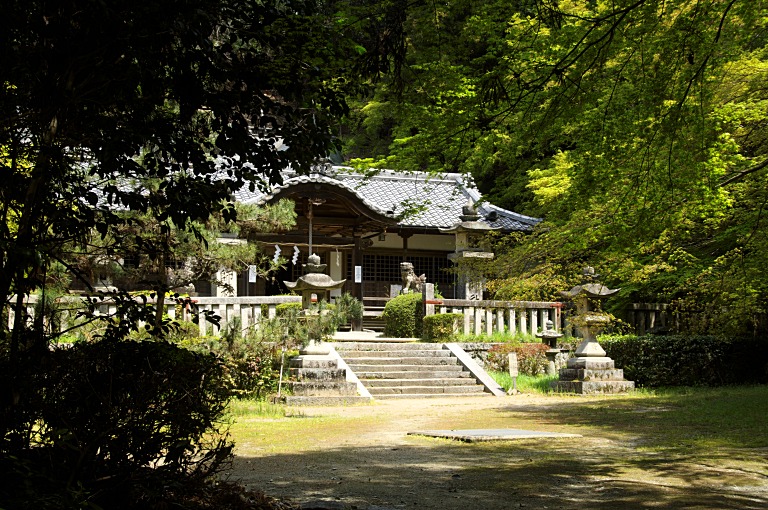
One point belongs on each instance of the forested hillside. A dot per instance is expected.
(635, 128)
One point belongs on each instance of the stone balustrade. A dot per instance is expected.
(489, 316)
(248, 308)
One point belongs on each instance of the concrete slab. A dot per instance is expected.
(476, 435)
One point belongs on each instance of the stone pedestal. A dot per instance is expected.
(318, 380)
(591, 376)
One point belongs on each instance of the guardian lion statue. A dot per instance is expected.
(411, 282)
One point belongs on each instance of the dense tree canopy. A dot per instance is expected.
(634, 127)
(160, 108)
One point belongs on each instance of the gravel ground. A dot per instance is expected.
(363, 458)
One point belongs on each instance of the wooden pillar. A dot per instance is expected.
(357, 260)
(404, 236)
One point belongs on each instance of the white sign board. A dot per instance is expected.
(358, 274)
(513, 372)
(252, 274)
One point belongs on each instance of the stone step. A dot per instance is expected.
(424, 390)
(432, 353)
(408, 370)
(386, 346)
(452, 381)
(405, 360)
(369, 367)
(411, 374)
(433, 395)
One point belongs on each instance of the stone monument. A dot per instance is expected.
(591, 371)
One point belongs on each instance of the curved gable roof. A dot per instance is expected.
(414, 200)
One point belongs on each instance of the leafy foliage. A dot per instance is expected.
(119, 113)
(251, 358)
(635, 128)
(530, 358)
(403, 316)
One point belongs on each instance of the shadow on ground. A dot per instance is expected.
(440, 474)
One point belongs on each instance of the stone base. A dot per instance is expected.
(592, 363)
(294, 400)
(593, 387)
(318, 374)
(316, 348)
(586, 374)
(318, 378)
(323, 388)
(592, 375)
(313, 361)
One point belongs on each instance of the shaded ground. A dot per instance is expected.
(362, 457)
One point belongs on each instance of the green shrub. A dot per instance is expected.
(441, 327)
(673, 360)
(285, 309)
(108, 420)
(403, 316)
(531, 359)
(349, 308)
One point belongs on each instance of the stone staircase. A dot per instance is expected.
(408, 370)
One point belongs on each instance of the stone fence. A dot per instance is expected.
(249, 309)
(479, 317)
(489, 316)
(649, 317)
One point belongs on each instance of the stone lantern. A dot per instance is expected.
(314, 282)
(468, 231)
(317, 376)
(591, 371)
(549, 336)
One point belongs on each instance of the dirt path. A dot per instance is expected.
(361, 457)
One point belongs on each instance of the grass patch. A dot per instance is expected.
(258, 408)
(690, 420)
(276, 428)
(525, 383)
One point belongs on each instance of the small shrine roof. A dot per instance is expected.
(593, 290)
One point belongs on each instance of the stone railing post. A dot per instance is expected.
(428, 297)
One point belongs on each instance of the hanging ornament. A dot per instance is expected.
(338, 258)
(277, 254)
(295, 255)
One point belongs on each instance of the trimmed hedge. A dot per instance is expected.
(403, 316)
(441, 327)
(655, 361)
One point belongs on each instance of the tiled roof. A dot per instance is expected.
(418, 200)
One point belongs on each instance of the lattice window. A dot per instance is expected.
(386, 268)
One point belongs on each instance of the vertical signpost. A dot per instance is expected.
(513, 372)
